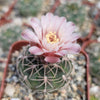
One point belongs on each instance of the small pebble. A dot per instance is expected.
(94, 89)
(9, 90)
(15, 99)
(74, 87)
(15, 79)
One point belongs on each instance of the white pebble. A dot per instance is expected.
(98, 39)
(1, 51)
(63, 1)
(79, 78)
(94, 89)
(17, 21)
(70, 56)
(9, 90)
(98, 5)
(74, 87)
(5, 8)
(15, 99)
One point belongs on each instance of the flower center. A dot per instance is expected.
(51, 38)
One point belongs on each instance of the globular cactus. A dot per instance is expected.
(93, 98)
(41, 76)
(8, 36)
(94, 54)
(34, 7)
(72, 12)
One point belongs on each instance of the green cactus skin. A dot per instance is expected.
(93, 98)
(40, 76)
(9, 36)
(73, 12)
(29, 7)
(94, 55)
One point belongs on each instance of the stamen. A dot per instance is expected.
(52, 38)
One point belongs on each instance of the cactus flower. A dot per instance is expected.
(52, 37)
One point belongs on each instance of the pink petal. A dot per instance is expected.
(52, 59)
(49, 47)
(66, 30)
(51, 23)
(62, 30)
(70, 24)
(36, 20)
(70, 27)
(56, 23)
(36, 25)
(73, 37)
(59, 22)
(45, 22)
(51, 27)
(29, 36)
(61, 52)
(72, 48)
(35, 50)
(70, 38)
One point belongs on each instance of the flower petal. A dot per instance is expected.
(66, 30)
(45, 22)
(52, 59)
(36, 25)
(30, 36)
(61, 52)
(58, 23)
(72, 48)
(74, 37)
(55, 24)
(36, 20)
(51, 23)
(49, 47)
(35, 50)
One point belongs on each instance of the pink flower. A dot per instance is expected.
(52, 37)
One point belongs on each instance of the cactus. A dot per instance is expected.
(94, 55)
(93, 98)
(95, 66)
(9, 36)
(29, 7)
(72, 12)
(40, 76)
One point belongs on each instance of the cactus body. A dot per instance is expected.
(41, 76)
